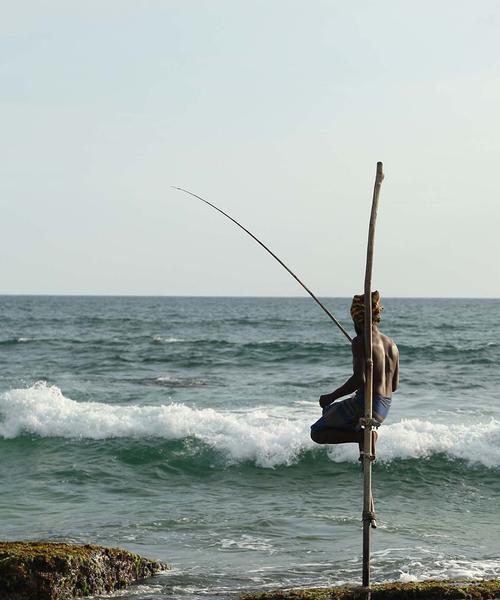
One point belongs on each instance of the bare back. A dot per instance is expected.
(385, 364)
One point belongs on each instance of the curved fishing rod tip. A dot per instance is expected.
(176, 187)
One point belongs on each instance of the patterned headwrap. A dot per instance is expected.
(358, 308)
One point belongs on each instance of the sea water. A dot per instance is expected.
(178, 428)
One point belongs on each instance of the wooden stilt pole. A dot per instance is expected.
(368, 512)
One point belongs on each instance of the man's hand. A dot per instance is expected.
(325, 400)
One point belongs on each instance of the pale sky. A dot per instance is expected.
(275, 110)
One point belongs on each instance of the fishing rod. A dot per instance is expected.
(339, 325)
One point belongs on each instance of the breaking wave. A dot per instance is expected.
(260, 435)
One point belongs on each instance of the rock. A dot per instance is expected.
(422, 590)
(52, 571)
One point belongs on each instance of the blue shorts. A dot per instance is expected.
(345, 414)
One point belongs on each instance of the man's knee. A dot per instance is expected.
(317, 437)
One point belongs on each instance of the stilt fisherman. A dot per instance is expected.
(340, 421)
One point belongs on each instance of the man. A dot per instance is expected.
(340, 421)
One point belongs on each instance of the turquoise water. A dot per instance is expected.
(179, 428)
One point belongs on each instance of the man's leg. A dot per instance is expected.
(342, 436)
(336, 436)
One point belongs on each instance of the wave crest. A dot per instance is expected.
(261, 435)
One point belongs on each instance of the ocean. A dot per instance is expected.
(178, 428)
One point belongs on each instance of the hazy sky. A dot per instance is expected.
(277, 111)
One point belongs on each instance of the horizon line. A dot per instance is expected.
(305, 297)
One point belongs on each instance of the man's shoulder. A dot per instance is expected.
(385, 337)
(386, 340)
(389, 342)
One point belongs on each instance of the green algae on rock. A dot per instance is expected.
(57, 571)
(424, 590)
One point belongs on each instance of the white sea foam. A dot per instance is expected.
(477, 443)
(415, 438)
(43, 410)
(245, 542)
(142, 590)
(450, 569)
(261, 434)
(171, 380)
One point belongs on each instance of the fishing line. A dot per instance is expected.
(332, 317)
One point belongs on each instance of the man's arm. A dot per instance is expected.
(355, 381)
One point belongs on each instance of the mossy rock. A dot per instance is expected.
(52, 571)
(425, 590)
